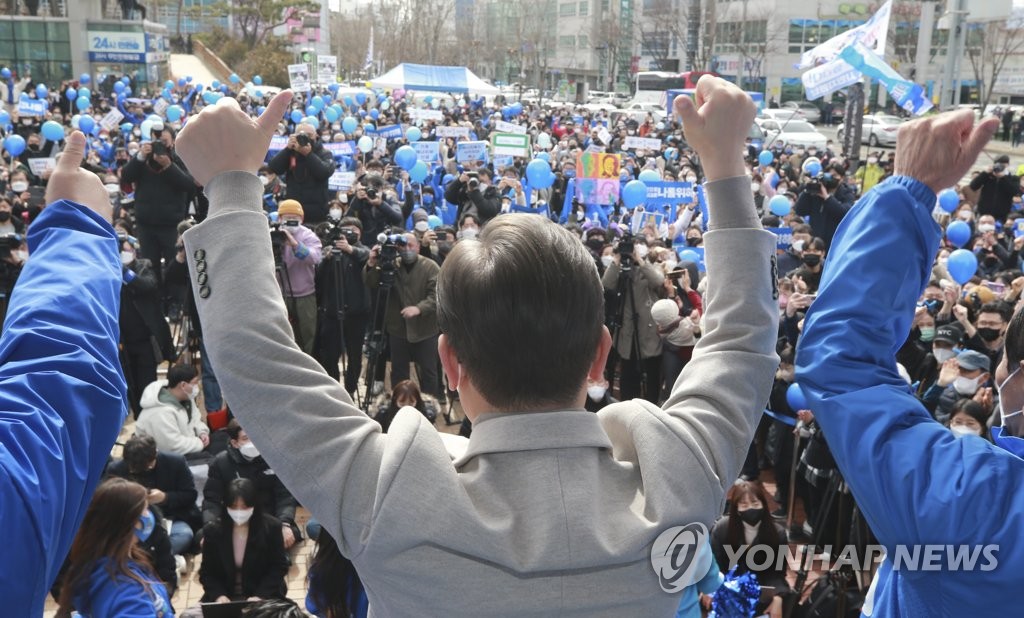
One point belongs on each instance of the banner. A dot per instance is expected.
(455, 132)
(326, 70)
(503, 161)
(112, 120)
(106, 46)
(508, 127)
(277, 144)
(510, 144)
(426, 114)
(471, 151)
(340, 149)
(160, 106)
(871, 34)
(595, 149)
(669, 193)
(428, 152)
(31, 107)
(597, 178)
(643, 143)
(41, 164)
(298, 77)
(341, 181)
(828, 78)
(392, 131)
(907, 94)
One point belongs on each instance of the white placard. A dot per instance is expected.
(326, 70)
(341, 181)
(644, 143)
(604, 136)
(508, 127)
(426, 114)
(298, 77)
(112, 120)
(40, 165)
(452, 132)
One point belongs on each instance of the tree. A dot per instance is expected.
(989, 47)
(255, 19)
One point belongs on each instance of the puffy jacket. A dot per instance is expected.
(161, 196)
(915, 482)
(167, 420)
(306, 179)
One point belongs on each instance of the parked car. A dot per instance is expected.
(782, 115)
(876, 131)
(756, 136)
(794, 132)
(808, 110)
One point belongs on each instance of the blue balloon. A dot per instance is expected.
(349, 124)
(296, 116)
(71, 94)
(331, 114)
(127, 80)
(634, 193)
(333, 87)
(52, 131)
(126, 127)
(235, 78)
(260, 110)
(215, 85)
(14, 145)
(174, 113)
(82, 103)
(538, 174)
(958, 233)
(434, 222)
(41, 91)
(795, 397)
(312, 121)
(86, 123)
(405, 157)
(949, 200)
(361, 98)
(258, 94)
(84, 78)
(418, 173)
(688, 255)
(127, 92)
(198, 87)
(166, 94)
(224, 88)
(118, 87)
(311, 111)
(544, 156)
(347, 100)
(5, 73)
(765, 158)
(374, 114)
(256, 79)
(428, 99)
(84, 92)
(212, 97)
(317, 102)
(168, 85)
(650, 176)
(962, 265)
(362, 113)
(413, 134)
(181, 82)
(5, 118)
(779, 206)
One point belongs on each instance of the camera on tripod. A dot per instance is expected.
(334, 231)
(390, 246)
(625, 249)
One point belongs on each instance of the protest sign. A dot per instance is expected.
(428, 152)
(340, 149)
(326, 70)
(642, 143)
(642, 218)
(784, 238)
(595, 149)
(503, 161)
(508, 127)
(393, 131)
(597, 178)
(31, 107)
(160, 107)
(511, 144)
(669, 193)
(471, 151)
(298, 77)
(112, 120)
(426, 114)
(341, 181)
(604, 136)
(40, 165)
(455, 132)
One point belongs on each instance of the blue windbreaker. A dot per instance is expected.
(915, 482)
(62, 396)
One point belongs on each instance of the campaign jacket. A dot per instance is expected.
(62, 395)
(914, 481)
(122, 596)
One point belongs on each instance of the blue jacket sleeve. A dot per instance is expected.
(62, 394)
(914, 481)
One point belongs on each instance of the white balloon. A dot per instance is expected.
(544, 141)
(365, 144)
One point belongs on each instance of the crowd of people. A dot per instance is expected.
(357, 265)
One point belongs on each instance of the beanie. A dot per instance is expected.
(290, 207)
(664, 312)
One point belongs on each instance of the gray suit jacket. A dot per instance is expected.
(546, 514)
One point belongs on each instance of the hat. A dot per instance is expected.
(419, 215)
(290, 207)
(949, 333)
(1003, 159)
(972, 361)
(664, 312)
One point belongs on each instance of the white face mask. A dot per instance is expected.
(335, 214)
(469, 233)
(249, 451)
(872, 160)
(127, 257)
(986, 227)
(641, 250)
(966, 386)
(265, 180)
(133, 151)
(963, 430)
(193, 391)
(607, 260)
(421, 226)
(240, 516)
(942, 354)
(19, 185)
(798, 245)
(596, 392)
(755, 187)
(21, 256)
(112, 188)
(691, 179)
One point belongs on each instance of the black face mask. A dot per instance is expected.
(33, 147)
(4, 216)
(693, 242)
(989, 334)
(991, 261)
(595, 243)
(751, 516)
(812, 259)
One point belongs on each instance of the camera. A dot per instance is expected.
(371, 194)
(999, 168)
(159, 148)
(302, 139)
(10, 241)
(474, 180)
(625, 250)
(390, 246)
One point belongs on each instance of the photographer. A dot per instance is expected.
(998, 188)
(339, 281)
(410, 317)
(473, 193)
(819, 204)
(305, 165)
(375, 210)
(163, 188)
(300, 255)
(12, 260)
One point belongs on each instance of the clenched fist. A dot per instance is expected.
(716, 124)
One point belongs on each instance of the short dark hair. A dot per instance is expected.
(180, 373)
(801, 228)
(233, 429)
(468, 215)
(816, 244)
(1014, 341)
(999, 307)
(139, 451)
(527, 288)
(971, 408)
(351, 222)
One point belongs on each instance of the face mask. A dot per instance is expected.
(21, 256)
(421, 226)
(19, 186)
(811, 259)
(872, 160)
(469, 233)
(265, 180)
(798, 245)
(193, 391)
(966, 386)
(989, 334)
(335, 214)
(691, 179)
(137, 133)
(569, 173)
(127, 257)
(927, 333)
(4, 216)
(755, 187)
(240, 516)
(148, 523)
(692, 241)
(942, 354)
(986, 227)
(751, 516)
(963, 430)
(483, 186)
(781, 189)
(409, 257)
(133, 151)
(249, 451)
(596, 392)
(812, 152)
(641, 250)
(112, 189)
(607, 260)
(966, 215)
(428, 199)
(595, 243)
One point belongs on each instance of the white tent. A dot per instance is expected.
(434, 78)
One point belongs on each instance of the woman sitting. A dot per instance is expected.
(748, 525)
(405, 393)
(335, 590)
(110, 575)
(243, 552)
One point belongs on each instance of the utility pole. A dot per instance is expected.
(692, 34)
(954, 52)
(924, 42)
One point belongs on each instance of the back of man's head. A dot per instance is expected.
(139, 452)
(523, 310)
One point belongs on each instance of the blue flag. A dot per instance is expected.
(907, 94)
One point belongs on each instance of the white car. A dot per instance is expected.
(644, 107)
(807, 109)
(603, 106)
(794, 132)
(877, 130)
(782, 115)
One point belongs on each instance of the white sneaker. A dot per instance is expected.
(179, 562)
(378, 388)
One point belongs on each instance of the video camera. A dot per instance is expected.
(390, 245)
(474, 180)
(334, 231)
(10, 241)
(625, 249)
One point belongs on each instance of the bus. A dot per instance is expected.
(651, 85)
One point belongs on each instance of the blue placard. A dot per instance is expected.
(471, 151)
(428, 152)
(784, 237)
(393, 131)
(31, 107)
(681, 248)
(1018, 228)
(664, 193)
(341, 149)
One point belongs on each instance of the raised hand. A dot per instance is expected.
(222, 138)
(716, 125)
(70, 182)
(939, 150)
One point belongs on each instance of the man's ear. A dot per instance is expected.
(604, 346)
(449, 362)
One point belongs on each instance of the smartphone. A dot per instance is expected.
(995, 286)
(442, 236)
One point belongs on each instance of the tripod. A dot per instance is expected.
(277, 240)
(375, 337)
(337, 296)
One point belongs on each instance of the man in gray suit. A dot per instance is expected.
(551, 510)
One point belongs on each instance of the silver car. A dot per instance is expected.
(877, 130)
(808, 110)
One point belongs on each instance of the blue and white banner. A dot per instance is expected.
(871, 34)
(117, 47)
(393, 131)
(667, 193)
(428, 152)
(687, 253)
(341, 181)
(907, 94)
(338, 149)
(784, 238)
(828, 78)
(471, 151)
(31, 107)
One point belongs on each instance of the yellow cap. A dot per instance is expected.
(290, 207)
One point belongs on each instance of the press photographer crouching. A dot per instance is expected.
(296, 254)
(342, 298)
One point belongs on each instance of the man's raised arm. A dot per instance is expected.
(722, 393)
